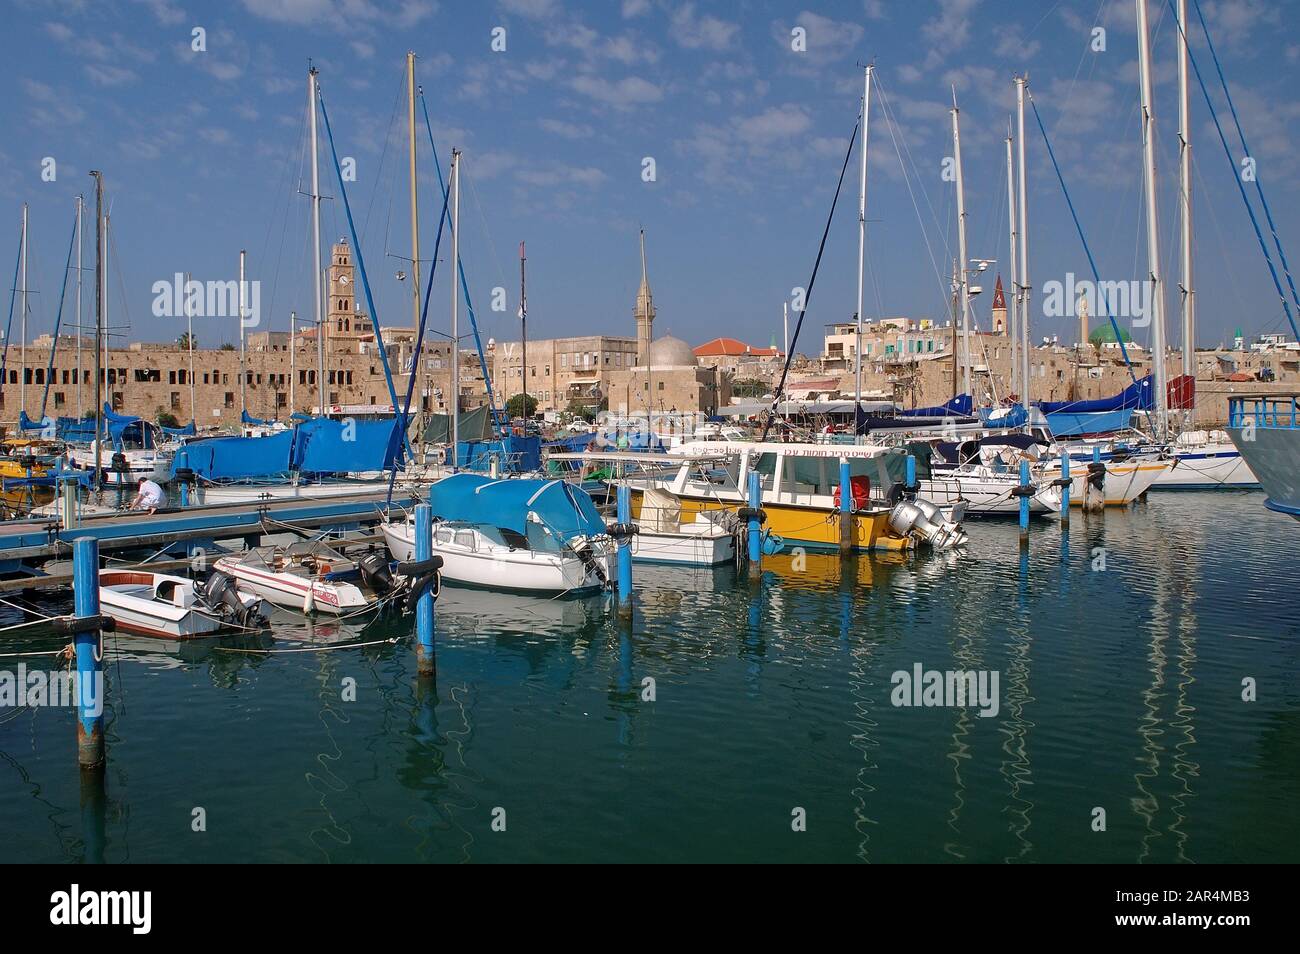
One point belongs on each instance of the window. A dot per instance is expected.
(281, 399)
(230, 399)
(58, 399)
(176, 400)
(171, 377)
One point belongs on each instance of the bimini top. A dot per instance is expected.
(472, 498)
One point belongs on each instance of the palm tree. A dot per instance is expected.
(185, 343)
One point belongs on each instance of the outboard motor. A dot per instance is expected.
(222, 596)
(923, 519)
(375, 573)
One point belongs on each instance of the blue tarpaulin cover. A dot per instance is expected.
(235, 458)
(960, 406)
(326, 446)
(472, 498)
(246, 418)
(188, 430)
(516, 454)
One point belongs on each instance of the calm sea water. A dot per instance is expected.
(1120, 689)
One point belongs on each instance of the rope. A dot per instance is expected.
(310, 649)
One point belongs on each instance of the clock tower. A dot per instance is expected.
(344, 320)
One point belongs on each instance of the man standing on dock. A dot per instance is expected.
(149, 497)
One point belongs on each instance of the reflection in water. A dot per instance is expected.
(768, 695)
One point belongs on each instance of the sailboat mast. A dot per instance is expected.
(962, 278)
(318, 271)
(80, 204)
(1157, 312)
(862, 248)
(22, 375)
(293, 352)
(454, 175)
(1014, 327)
(99, 325)
(415, 214)
(523, 326)
(243, 372)
(1185, 193)
(189, 340)
(1022, 211)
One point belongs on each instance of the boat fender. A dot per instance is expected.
(1024, 490)
(621, 530)
(744, 514)
(1062, 481)
(184, 474)
(414, 568)
(72, 625)
(309, 602)
(1097, 474)
(422, 583)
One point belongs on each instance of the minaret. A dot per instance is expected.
(999, 309)
(1082, 309)
(644, 312)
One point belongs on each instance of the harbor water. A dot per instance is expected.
(728, 718)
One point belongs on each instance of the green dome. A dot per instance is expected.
(1105, 334)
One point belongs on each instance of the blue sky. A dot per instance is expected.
(203, 151)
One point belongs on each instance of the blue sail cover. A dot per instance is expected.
(236, 458)
(75, 430)
(960, 406)
(189, 430)
(325, 446)
(1014, 416)
(1138, 396)
(27, 424)
(472, 498)
(123, 428)
(246, 418)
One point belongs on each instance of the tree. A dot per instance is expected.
(167, 419)
(515, 406)
(227, 347)
(184, 342)
(748, 388)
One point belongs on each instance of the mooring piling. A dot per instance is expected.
(755, 530)
(1025, 490)
(624, 550)
(846, 508)
(1094, 489)
(89, 645)
(1065, 489)
(424, 631)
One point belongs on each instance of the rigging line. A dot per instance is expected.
(13, 295)
(1218, 232)
(282, 194)
(1259, 187)
(1250, 210)
(379, 174)
(1082, 238)
(785, 371)
(925, 236)
(58, 317)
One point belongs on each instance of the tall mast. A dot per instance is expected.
(189, 340)
(962, 278)
(415, 214)
(1157, 315)
(22, 375)
(1022, 210)
(523, 326)
(1185, 194)
(293, 363)
(454, 175)
(318, 271)
(99, 325)
(80, 204)
(243, 372)
(862, 246)
(1013, 327)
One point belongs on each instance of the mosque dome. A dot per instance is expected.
(671, 352)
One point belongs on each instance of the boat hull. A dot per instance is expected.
(1273, 455)
(128, 597)
(291, 591)
(683, 549)
(1207, 467)
(1125, 482)
(988, 496)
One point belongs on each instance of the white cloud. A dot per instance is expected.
(567, 130)
(635, 8)
(106, 74)
(533, 9)
(621, 94)
(701, 32)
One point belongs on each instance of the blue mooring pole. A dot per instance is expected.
(625, 551)
(185, 493)
(1065, 489)
(424, 658)
(1024, 501)
(846, 509)
(911, 472)
(90, 655)
(755, 533)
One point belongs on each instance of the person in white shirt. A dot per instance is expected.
(149, 497)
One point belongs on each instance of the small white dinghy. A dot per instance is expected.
(311, 577)
(662, 535)
(173, 607)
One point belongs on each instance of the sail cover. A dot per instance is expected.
(472, 498)
(1138, 396)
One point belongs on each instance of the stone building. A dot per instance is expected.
(671, 380)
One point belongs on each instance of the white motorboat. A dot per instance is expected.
(173, 607)
(1120, 482)
(124, 466)
(519, 534)
(312, 577)
(664, 536)
(987, 491)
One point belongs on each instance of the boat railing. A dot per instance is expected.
(1264, 410)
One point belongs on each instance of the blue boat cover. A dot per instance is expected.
(326, 446)
(566, 510)
(1070, 424)
(27, 424)
(235, 458)
(189, 430)
(125, 427)
(960, 406)
(517, 454)
(1013, 416)
(1138, 396)
(246, 418)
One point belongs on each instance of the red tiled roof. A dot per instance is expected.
(730, 347)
